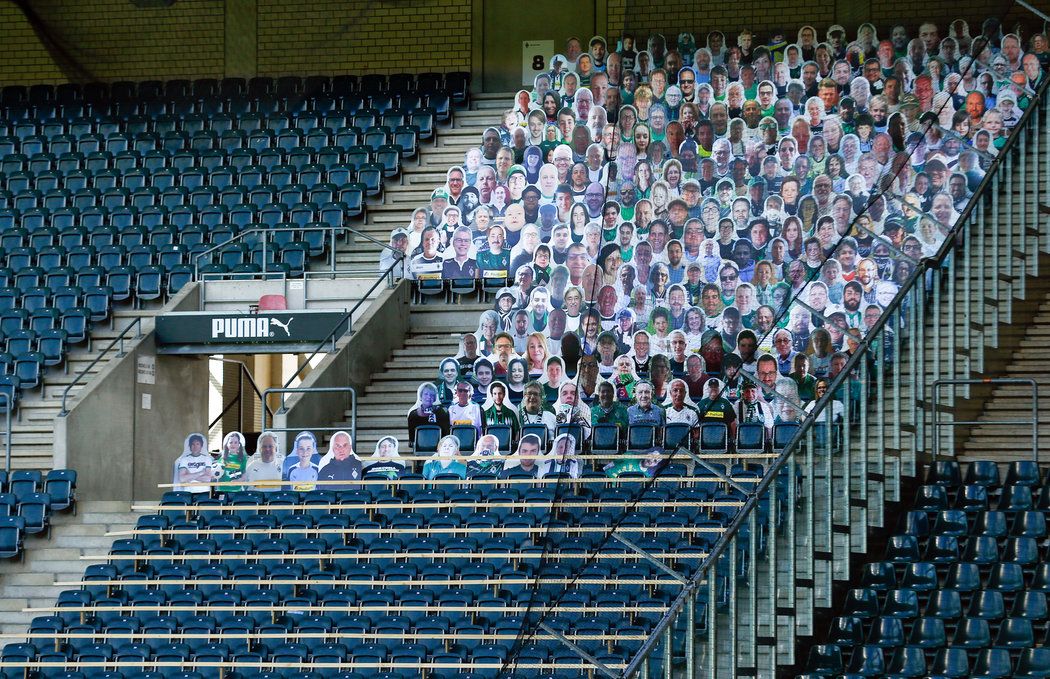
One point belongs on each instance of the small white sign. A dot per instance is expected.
(534, 56)
(146, 370)
(295, 285)
(147, 401)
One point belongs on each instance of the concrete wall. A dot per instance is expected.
(356, 359)
(315, 292)
(112, 40)
(120, 449)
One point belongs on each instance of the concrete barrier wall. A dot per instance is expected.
(121, 448)
(380, 330)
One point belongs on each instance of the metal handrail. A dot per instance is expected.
(347, 318)
(118, 340)
(342, 228)
(242, 235)
(8, 407)
(240, 376)
(774, 469)
(315, 390)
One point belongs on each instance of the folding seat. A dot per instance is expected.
(944, 473)
(1022, 473)
(928, 632)
(12, 531)
(713, 438)
(987, 605)
(1033, 662)
(149, 283)
(96, 302)
(921, 576)
(35, 508)
(972, 633)
(902, 549)
(950, 522)
(901, 603)
(972, 498)
(942, 549)
(861, 603)
(1007, 578)
(1016, 498)
(1030, 606)
(76, 323)
(1015, 633)
(879, 576)
(52, 346)
(991, 524)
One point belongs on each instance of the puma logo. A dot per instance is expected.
(283, 326)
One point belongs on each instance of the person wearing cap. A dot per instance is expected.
(752, 408)
(463, 410)
(438, 203)
(397, 252)
(715, 408)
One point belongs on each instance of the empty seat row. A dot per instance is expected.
(44, 169)
(43, 153)
(42, 180)
(284, 86)
(333, 114)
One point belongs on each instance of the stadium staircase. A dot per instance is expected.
(1024, 352)
(47, 562)
(32, 430)
(394, 209)
(434, 334)
(33, 423)
(986, 315)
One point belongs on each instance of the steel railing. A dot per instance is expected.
(242, 372)
(117, 343)
(794, 536)
(350, 391)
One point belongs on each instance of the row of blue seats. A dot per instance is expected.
(409, 521)
(77, 246)
(245, 204)
(173, 673)
(36, 151)
(363, 595)
(61, 267)
(713, 437)
(975, 498)
(56, 189)
(50, 168)
(28, 134)
(258, 86)
(973, 632)
(118, 281)
(441, 102)
(703, 486)
(949, 473)
(611, 573)
(180, 206)
(668, 540)
(29, 499)
(910, 662)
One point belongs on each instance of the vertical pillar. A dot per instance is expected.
(852, 13)
(241, 38)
